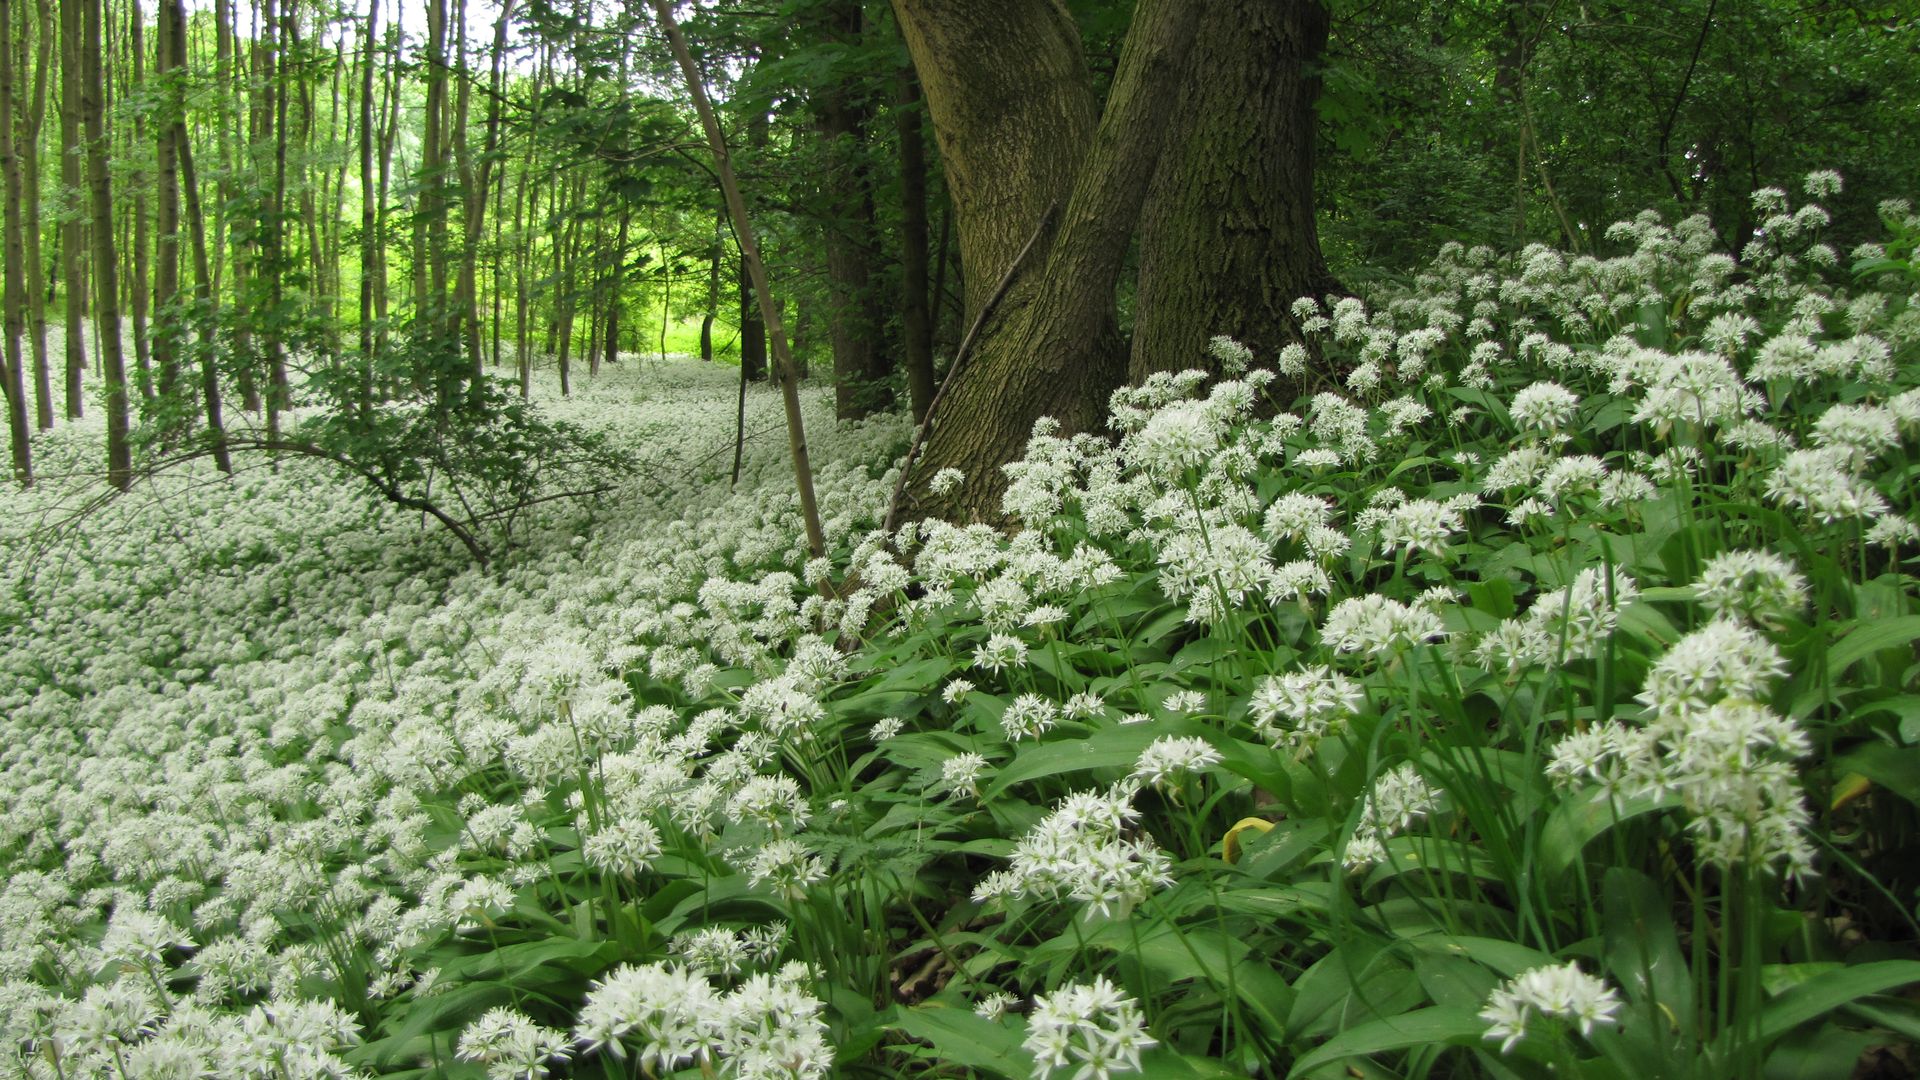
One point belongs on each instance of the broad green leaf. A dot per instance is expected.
(1110, 748)
(1584, 816)
(1896, 768)
(1422, 1027)
(962, 1038)
(1642, 946)
(1832, 989)
(1868, 638)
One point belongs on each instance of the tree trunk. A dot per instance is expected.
(847, 190)
(1012, 107)
(1227, 239)
(13, 323)
(915, 317)
(105, 273)
(753, 332)
(33, 116)
(170, 327)
(713, 290)
(73, 264)
(203, 278)
(141, 280)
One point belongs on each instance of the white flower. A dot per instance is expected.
(1546, 406)
(1001, 651)
(946, 481)
(1759, 585)
(1028, 717)
(961, 773)
(1092, 1025)
(1560, 993)
(1301, 707)
(1375, 623)
(510, 1045)
(1169, 757)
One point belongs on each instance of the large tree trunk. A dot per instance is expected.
(916, 320)
(1227, 239)
(1012, 106)
(105, 273)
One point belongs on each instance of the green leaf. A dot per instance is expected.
(1869, 638)
(1896, 768)
(1830, 990)
(1422, 1027)
(961, 1037)
(1576, 822)
(1111, 748)
(1642, 946)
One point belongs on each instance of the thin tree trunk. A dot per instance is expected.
(106, 274)
(853, 322)
(205, 302)
(140, 280)
(713, 289)
(750, 254)
(13, 323)
(369, 209)
(170, 327)
(915, 321)
(33, 117)
(73, 272)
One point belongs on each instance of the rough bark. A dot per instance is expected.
(1227, 239)
(916, 320)
(1051, 348)
(105, 274)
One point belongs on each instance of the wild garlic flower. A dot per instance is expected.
(1293, 514)
(1170, 757)
(1543, 406)
(787, 866)
(1232, 356)
(956, 690)
(770, 1027)
(1419, 525)
(1094, 1026)
(1001, 651)
(961, 773)
(668, 1013)
(511, 1046)
(885, 728)
(1081, 851)
(946, 481)
(1399, 798)
(1757, 585)
(711, 950)
(995, 1005)
(1377, 624)
(1563, 993)
(1028, 717)
(1298, 709)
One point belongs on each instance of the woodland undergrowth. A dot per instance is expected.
(1536, 698)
